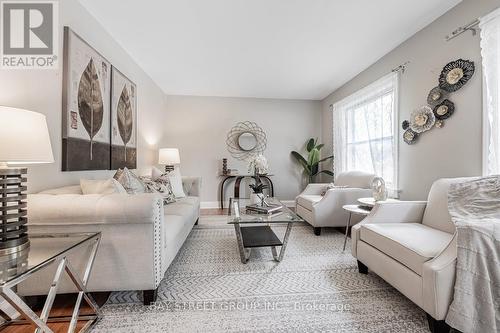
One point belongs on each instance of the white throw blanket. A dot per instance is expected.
(475, 210)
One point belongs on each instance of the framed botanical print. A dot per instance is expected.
(123, 121)
(86, 106)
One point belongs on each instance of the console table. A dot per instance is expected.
(237, 183)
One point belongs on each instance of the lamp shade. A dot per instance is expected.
(24, 137)
(169, 156)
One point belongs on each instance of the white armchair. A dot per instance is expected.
(412, 246)
(326, 211)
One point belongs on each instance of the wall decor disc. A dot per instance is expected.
(436, 96)
(444, 110)
(422, 119)
(405, 124)
(455, 74)
(439, 123)
(410, 137)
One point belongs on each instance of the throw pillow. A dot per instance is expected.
(175, 179)
(160, 186)
(108, 186)
(130, 182)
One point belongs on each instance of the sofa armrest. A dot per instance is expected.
(390, 212)
(47, 209)
(191, 186)
(314, 189)
(438, 277)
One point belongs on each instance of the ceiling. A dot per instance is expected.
(291, 49)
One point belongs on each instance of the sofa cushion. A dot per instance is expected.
(193, 201)
(411, 244)
(308, 200)
(436, 213)
(186, 206)
(73, 189)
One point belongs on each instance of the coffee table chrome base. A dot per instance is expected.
(8, 293)
(245, 252)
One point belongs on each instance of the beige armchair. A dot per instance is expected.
(326, 210)
(412, 246)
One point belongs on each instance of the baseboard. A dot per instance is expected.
(215, 204)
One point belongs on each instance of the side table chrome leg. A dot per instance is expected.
(285, 242)
(51, 296)
(347, 230)
(82, 287)
(244, 253)
(24, 310)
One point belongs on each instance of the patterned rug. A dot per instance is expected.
(315, 288)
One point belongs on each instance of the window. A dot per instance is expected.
(365, 131)
(490, 52)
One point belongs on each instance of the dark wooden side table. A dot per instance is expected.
(237, 184)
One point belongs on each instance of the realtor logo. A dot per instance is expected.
(29, 34)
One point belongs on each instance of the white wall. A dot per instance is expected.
(40, 90)
(198, 126)
(454, 150)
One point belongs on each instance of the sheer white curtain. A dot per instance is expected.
(365, 127)
(490, 52)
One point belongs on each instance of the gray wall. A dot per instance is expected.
(40, 90)
(454, 150)
(198, 127)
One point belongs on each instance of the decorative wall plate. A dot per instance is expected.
(444, 110)
(405, 124)
(455, 74)
(439, 123)
(436, 96)
(422, 119)
(410, 137)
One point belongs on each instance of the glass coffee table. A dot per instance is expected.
(39, 253)
(254, 230)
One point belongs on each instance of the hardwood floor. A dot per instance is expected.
(63, 306)
(213, 211)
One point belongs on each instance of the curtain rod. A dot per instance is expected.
(472, 26)
(401, 68)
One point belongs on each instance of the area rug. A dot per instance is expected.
(316, 287)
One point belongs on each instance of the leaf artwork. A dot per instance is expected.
(90, 104)
(124, 118)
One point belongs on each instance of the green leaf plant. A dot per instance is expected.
(311, 163)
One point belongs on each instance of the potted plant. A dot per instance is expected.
(311, 164)
(257, 196)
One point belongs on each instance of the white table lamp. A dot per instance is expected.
(24, 139)
(169, 157)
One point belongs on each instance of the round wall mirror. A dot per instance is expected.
(247, 141)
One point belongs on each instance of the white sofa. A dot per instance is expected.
(412, 246)
(326, 211)
(140, 236)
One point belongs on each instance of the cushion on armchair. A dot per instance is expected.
(308, 200)
(411, 244)
(437, 214)
(357, 179)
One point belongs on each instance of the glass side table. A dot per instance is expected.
(42, 251)
(254, 230)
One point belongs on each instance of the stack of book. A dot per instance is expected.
(269, 209)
